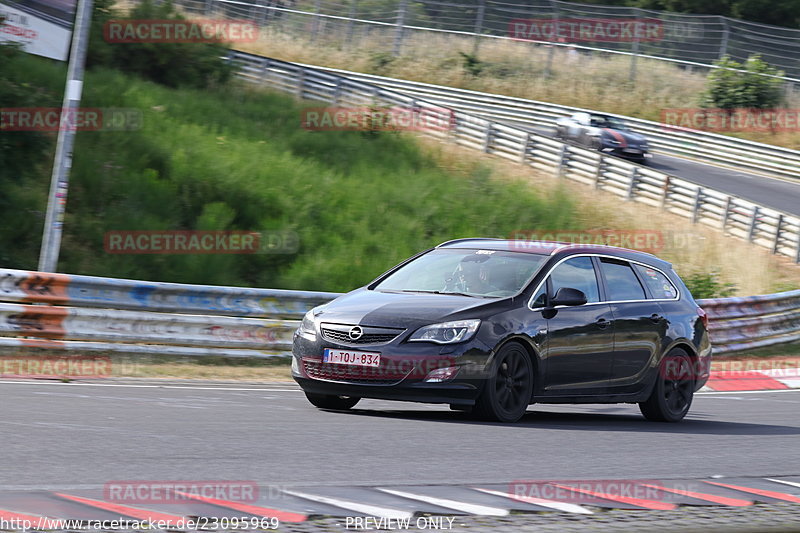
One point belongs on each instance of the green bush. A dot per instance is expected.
(746, 87)
(708, 285)
(170, 64)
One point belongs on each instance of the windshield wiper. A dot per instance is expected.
(443, 292)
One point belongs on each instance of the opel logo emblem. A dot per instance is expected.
(355, 333)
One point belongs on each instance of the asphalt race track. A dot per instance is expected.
(58, 435)
(779, 194)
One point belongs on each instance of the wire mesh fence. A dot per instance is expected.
(690, 40)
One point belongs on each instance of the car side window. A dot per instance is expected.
(577, 273)
(621, 281)
(660, 286)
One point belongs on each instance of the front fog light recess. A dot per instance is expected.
(441, 374)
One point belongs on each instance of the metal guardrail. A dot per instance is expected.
(69, 313)
(711, 148)
(86, 313)
(775, 230)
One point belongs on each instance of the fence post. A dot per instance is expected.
(401, 21)
(315, 20)
(751, 233)
(723, 47)
(209, 6)
(726, 212)
(337, 89)
(698, 200)
(632, 185)
(350, 22)
(665, 191)
(776, 243)
(478, 26)
(551, 52)
(635, 56)
(265, 65)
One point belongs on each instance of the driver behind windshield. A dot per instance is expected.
(472, 277)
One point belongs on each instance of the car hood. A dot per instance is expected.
(397, 310)
(624, 136)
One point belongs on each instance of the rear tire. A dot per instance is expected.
(509, 387)
(673, 391)
(330, 401)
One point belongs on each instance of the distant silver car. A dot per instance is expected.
(605, 133)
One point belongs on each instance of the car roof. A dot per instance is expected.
(550, 248)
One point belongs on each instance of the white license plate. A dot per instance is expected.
(631, 151)
(349, 357)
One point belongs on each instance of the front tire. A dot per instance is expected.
(673, 391)
(509, 387)
(330, 401)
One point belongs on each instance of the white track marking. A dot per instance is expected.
(133, 386)
(471, 508)
(370, 510)
(790, 483)
(552, 504)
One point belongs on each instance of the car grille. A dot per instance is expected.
(352, 374)
(340, 333)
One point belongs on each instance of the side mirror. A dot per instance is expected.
(568, 296)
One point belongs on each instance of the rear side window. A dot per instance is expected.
(621, 281)
(660, 286)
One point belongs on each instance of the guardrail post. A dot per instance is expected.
(797, 252)
(265, 66)
(726, 212)
(337, 89)
(698, 201)
(723, 47)
(301, 79)
(401, 21)
(487, 140)
(526, 145)
(777, 241)
(563, 160)
(632, 185)
(599, 171)
(665, 191)
(751, 233)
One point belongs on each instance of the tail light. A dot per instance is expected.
(703, 316)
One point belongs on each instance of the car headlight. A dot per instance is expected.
(447, 332)
(308, 327)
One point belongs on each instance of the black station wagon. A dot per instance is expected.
(491, 326)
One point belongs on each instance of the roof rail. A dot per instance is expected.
(467, 239)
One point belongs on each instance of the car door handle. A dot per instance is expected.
(655, 317)
(602, 323)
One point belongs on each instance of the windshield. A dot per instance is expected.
(479, 273)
